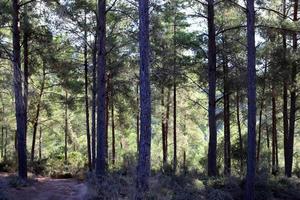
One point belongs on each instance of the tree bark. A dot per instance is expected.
(290, 146)
(212, 146)
(94, 93)
(143, 169)
(239, 129)
(40, 143)
(2, 142)
(227, 143)
(113, 132)
(250, 178)
(26, 69)
(137, 119)
(107, 112)
(274, 135)
(101, 128)
(18, 90)
(87, 115)
(174, 93)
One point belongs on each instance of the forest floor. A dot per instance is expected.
(44, 188)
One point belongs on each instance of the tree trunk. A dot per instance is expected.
(40, 143)
(174, 94)
(18, 90)
(163, 128)
(239, 129)
(274, 135)
(212, 146)
(66, 126)
(143, 169)
(87, 115)
(101, 128)
(2, 142)
(37, 114)
(227, 143)
(250, 178)
(137, 119)
(260, 117)
(290, 145)
(107, 113)
(94, 93)
(26, 70)
(113, 132)
(5, 145)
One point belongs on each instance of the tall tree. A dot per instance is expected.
(293, 100)
(87, 115)
(143, 168)
(212, 147)
(18, 90)
(251, 94)
(101, 90)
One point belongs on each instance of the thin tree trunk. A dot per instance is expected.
(174, 94)
(250, 178)
(212, 146)
(94, 93)
(87, 115)
(260, 117)
(40, 143)
(113, 132)
(167, 123)
(143, 169)
(227, 143)
(66, 126)
(37, 114)
(26, 70)
(18, 90)
(5, 145)
(239, 129)
(285, 101)
(2, 142)
(163, 129)
(107, 112)
(101, 128)
(274, 135)
(137, 119)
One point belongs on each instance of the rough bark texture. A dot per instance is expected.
(250, 178)
(101, 90)
(212, 146)
(19, 100)
(143, 168)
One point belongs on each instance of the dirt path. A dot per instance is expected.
(47, 189)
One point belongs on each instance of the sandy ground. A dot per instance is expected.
(45, 188)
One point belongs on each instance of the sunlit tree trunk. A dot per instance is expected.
(94, 92)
